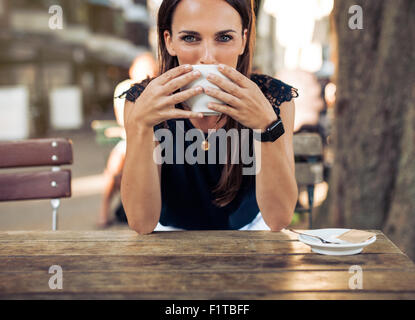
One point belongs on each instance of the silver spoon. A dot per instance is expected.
(309, 235)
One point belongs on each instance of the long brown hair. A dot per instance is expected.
(231, 177)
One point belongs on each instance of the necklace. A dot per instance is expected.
(205, 143)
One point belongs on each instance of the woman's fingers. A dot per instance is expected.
(226, 85)
(234, 75)
(173, 73)
(224, 96)
(232, 112)
(175, 113)
(180, 81)
(183, 95)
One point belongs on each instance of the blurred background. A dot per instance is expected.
(61, 60)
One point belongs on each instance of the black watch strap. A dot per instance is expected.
(272, 132)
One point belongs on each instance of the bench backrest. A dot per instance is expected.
(308, 152)
(45, 184)
(309, 167)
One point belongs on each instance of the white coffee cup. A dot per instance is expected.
(200, 102)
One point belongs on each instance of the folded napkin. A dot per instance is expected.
(356, 236)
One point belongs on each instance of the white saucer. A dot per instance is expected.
(342, 248)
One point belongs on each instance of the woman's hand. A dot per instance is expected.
(156, 102)
(245, 101)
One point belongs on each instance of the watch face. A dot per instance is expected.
(272, 133)
(274, 125)
(276, 130)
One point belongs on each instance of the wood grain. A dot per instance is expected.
(294, 295)
(195, 265)
(35, 152)
(167, 247)
(35, 185)
(193, 283)
(204, 263)
(129, 235)
(166, 243)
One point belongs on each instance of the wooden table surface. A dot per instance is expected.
(195, 265)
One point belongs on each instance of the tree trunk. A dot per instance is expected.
(372, 182)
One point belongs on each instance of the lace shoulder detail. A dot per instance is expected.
(275, 90)
(136, 89)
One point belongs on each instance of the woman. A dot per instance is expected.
(207, 196)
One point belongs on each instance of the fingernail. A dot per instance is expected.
(221, 67)
(187, 67)
(196, 73)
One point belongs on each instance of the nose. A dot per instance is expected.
(208, 54)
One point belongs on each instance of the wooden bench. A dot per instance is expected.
(308, 152)
(51, 184)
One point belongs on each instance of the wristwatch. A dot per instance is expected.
(272, 132)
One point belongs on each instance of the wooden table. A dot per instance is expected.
(195, 265)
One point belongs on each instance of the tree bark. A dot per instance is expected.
(372, 181)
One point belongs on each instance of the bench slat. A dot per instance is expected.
(309, 173)
(307, 144)
(35, 152)
(35, 185)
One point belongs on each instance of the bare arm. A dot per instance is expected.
(276, 187)
(140, 184)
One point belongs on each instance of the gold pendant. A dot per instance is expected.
(205, 145)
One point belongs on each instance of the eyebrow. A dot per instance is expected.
(197, 33)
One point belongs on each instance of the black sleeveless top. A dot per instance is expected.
(186, 188)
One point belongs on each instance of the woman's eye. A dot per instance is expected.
(225, 38)
(189, 38)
